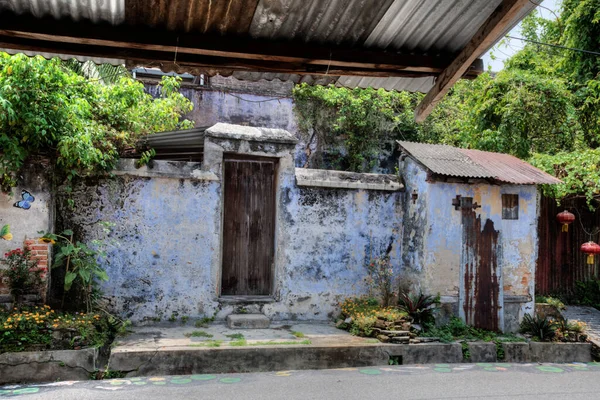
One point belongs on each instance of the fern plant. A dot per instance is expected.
(542, 328)
(419, 307)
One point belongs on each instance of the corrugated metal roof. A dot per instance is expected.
(186, 139)
(421, 27)
(451, 161)
(445, 160)
(508, 168)
(111, 11)
(186, 145)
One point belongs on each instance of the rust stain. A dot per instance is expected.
(481, 255)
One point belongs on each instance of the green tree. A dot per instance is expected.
(350, 126)
(80, 124)
(519, 113)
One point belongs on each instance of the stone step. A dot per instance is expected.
(395, 333)
(400, 339)
(248, 321)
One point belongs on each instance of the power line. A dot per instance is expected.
(595, 53)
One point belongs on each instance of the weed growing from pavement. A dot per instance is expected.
(198, 334)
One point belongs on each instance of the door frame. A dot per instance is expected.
(246, 157)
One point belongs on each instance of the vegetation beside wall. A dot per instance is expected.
(80, 123)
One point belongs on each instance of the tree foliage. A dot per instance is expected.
(348, 127)
(81, 124)
(544, 107)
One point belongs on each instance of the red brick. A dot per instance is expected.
(39, 247)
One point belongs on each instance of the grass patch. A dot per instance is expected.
(236, 336)
(239, 343)
(204, 322)
(208, 343)
(298, 334)
(198, 334)
(456, 329)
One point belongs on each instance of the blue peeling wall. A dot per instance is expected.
(164, 252)
(331, 235)
(165, 236)
(433, 238)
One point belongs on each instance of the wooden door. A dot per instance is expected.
(481, 283)
(248, 226)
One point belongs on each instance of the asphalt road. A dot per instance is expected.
(442, 381)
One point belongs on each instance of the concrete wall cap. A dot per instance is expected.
(249, 133)
(347, 180)
(165, 169)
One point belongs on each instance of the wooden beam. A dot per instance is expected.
(501, 19)
(234, 53)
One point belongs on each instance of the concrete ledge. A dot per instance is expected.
(482, 352)
(255, 359)
(164, 169)
(248, 321)
(347, 180)
(427, 353)
(560, 352)
(46, 366)
(516, 352)
(240, 132)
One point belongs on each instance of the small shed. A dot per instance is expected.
(470, 221)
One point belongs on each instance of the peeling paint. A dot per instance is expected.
(433, 239)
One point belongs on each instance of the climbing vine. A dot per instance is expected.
(348, 128)
(80, 124)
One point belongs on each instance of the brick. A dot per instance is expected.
(39, 247)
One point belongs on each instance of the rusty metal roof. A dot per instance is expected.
(463, 163)
(413, 27)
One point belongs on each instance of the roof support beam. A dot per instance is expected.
(491, 30)
(213, 53)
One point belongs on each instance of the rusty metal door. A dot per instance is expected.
(248, 226)
(480, 297)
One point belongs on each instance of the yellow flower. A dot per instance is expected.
(47, 240)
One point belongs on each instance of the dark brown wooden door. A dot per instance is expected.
(248, 226)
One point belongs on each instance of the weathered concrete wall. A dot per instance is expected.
(26, 223)
(433, 238)
(232, 101)
(164, 257)
(330, 236)
(164, 242)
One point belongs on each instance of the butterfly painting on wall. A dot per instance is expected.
(25, 204)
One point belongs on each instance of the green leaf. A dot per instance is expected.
(5, 230)
(85, 275)
(67, 232)
(102, 275)
(69, 278)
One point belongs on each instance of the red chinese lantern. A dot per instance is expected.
(565, 218)
(590, 248)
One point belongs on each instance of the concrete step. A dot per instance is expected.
(248, 321)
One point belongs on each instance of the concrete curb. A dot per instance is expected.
(46, 366)
(79, 364)
(244, 359)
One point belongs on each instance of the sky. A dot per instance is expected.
(503, 52)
